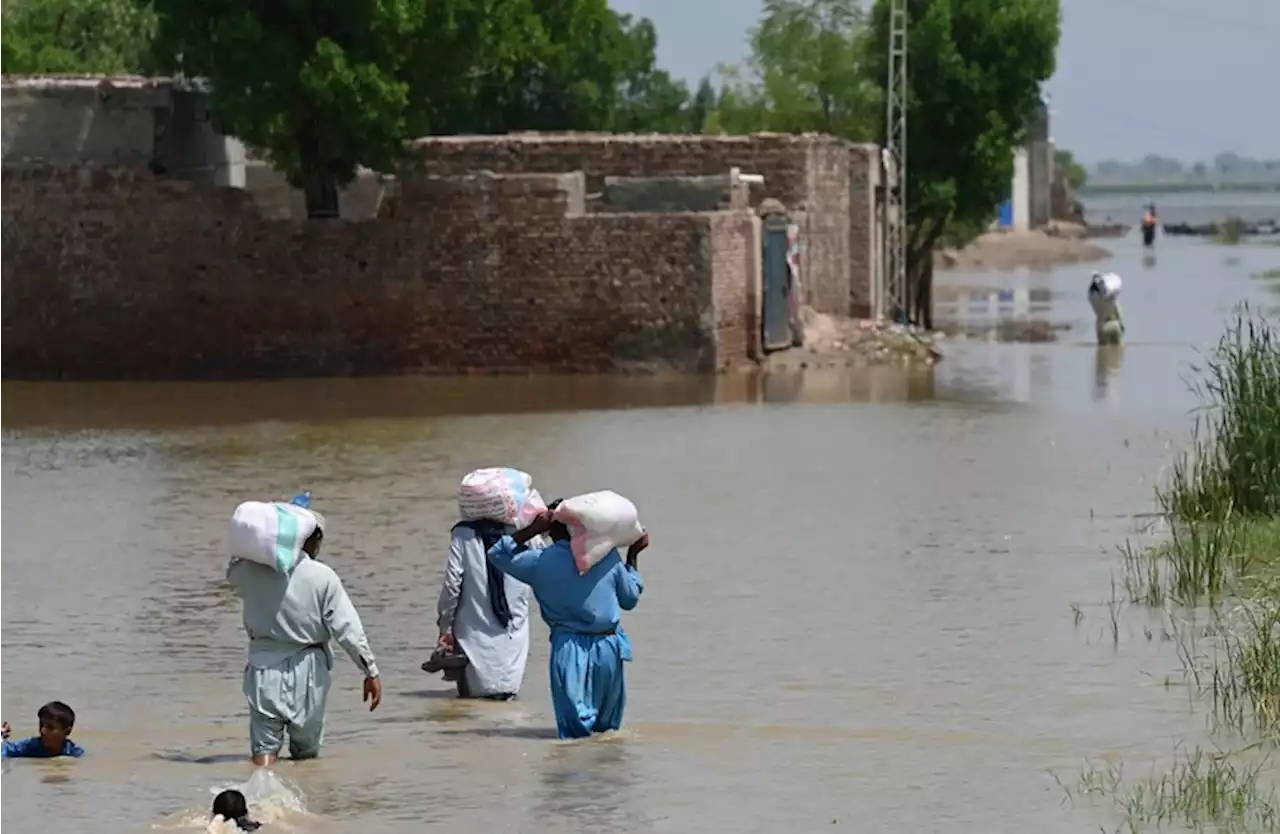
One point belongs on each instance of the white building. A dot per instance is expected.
(1030, 193)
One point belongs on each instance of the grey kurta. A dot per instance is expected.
(283, 615)
(497, 655)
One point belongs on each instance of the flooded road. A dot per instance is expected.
(858, 607)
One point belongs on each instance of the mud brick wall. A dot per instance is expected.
(825, 231)
(810, 174)
(865, 233)
(735, 286)
(110, 273)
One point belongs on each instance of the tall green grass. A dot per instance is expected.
(1221, 501)
(1201, 792)
(1221, 492)
(1233, 466)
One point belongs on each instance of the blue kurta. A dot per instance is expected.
(588, 648)
(34, 748)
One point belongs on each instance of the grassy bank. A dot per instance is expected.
(1220, 558)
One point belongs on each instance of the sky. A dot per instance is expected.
(1179, 78)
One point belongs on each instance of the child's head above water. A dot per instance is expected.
(56, 722)
(231, 806)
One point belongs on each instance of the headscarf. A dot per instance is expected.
(489, 532)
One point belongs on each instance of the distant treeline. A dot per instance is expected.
(1092, 188)
(1225, 169)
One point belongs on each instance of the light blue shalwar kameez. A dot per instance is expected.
(588, 647)
(290, 620)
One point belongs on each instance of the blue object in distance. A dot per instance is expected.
(303, 500)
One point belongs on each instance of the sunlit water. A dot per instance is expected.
(858, 611)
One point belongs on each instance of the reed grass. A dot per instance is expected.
(1221, 502)
(1201, 791)
(1230, 231)
(1222, 495)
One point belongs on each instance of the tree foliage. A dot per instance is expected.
(557, 66)
(321, 86)
(349, 81)
(808, 57)
(805, 73)
(649, 99)
(1073, 172)
(81, 36)
(701, 106)
(974, 77)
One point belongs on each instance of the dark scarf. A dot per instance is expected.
(489, 532)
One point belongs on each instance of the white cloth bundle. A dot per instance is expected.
(271, 533)
(598, 522)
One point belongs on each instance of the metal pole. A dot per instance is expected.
(894, 299)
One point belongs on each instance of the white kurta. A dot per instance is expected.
(497, 655)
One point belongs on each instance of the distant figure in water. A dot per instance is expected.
(1104, 292)
(231, 814)
(1149, 223)
(584, 611)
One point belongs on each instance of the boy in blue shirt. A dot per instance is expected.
(56, 721)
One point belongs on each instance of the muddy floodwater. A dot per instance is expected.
(858, 607)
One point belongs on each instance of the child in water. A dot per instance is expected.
(231, 813)
(56, 721)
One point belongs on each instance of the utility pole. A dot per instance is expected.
(895, 295)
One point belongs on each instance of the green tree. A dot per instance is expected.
(974, 78)
(807, 56)
(1075, 174)
(702, 106)
(320, 86)
(649, 100)
(75, 36)
(741, 106)
(565, 62)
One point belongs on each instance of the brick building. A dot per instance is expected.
(133, 248)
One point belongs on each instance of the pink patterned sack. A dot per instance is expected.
(499, 494)
(598, 523)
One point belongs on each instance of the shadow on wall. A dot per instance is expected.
(278, 200)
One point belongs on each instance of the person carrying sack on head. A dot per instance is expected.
(293, 607)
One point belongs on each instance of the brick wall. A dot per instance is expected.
(814, 176)
(112, 274)
(824, 230)
(735, 286)
(866, 237)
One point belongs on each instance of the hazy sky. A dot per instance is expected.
(1176, 77)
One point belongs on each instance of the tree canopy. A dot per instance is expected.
(974, 77)
(349, 81)
(1073, 172)
(84, 36)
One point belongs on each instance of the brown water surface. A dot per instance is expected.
(858, 605)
